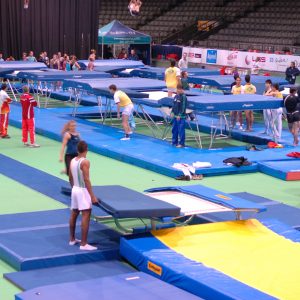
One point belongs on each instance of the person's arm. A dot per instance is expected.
(184, 105)
(71, 180)
(63, 146)
(117, 101)
(77, 65)
(33, 101)
(180, 64)
(178, 77)
(85, 168)
(287, 72)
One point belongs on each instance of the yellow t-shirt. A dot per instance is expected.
(171, 75)
(279, 95)
(237, 90)
(249, 89)
(122, 98)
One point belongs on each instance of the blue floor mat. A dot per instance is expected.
(48, 247)
(26, 280)
(133, 286)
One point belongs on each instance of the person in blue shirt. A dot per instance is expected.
(178, 115)
(291, 73)
(133, 55)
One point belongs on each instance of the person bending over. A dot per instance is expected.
(172, 77)
(4, 112)
(291, 103)
(70, 141)
(123, 102)
(179, 115)
(28, 122)
(82, 196)
(249, 88)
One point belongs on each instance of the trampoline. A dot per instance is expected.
(223, 82)
(167, 205)
(225, 260)
(112, 65)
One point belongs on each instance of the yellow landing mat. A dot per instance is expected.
(244, 250)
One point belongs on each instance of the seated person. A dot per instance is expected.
(122, 54)
(133, 55)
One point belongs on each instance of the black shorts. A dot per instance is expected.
(294, 117)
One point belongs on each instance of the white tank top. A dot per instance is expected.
(77, 172)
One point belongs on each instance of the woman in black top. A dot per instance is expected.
(291, 103)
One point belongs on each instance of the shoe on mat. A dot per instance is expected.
(76, 241)
(125, 139)
(26, 144)
(88, 247)
(183, 177)
(179, 146)
(34, 146)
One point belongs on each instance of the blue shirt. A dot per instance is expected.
(72, 144)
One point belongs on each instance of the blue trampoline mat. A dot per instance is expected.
(133, 286)
(48, 247)
(26, 280)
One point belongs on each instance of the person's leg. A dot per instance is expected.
(248, 120)
(279, 122)
(295, 132)
(1, 124)
(240, 117)
(85, 224)
(31, 129)
(233, 118)
(24, 131)
(251, 119)
(125, 124)
(73, 219)
(68, 158)
(182, 132)
(5, 125)
(175, 132)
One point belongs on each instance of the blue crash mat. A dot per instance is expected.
(122, 202)
(26, 280)
(107, 65)
(133, 286)
(60, 75)
(214, 196)
(285, 170)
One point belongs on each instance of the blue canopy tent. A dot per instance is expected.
(116, 33)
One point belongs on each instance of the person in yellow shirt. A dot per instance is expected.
(237, 89)
(172, 78)
(123, 102)
(249, 88)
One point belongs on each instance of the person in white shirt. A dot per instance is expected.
(183, 62)
(4, 112)
(1, 57)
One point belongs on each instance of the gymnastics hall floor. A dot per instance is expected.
(107, 171)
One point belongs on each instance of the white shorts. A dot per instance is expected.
(170, 89)
(127, 110)
(80, 199)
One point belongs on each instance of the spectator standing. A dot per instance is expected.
(183, 62)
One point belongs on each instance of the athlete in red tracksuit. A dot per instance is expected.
(28, 123)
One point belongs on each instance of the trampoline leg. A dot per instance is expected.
(153, 224)
(238, 215)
